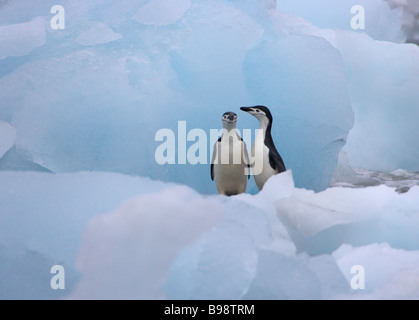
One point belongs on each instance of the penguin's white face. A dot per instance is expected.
(229, 117)
(256, 112)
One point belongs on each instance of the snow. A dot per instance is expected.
(21, 39)
(7, 137)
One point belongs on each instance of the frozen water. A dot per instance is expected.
(320, 223)
(98, 34)
(382, 23)
(98, 103)
(317, 132)
(410, 17)
(162, 12)
(42, 218)
(384, 100)
(171, 242)
(93, 96)
(389, 273)
(346, 176)
(127, 254)
(21, 39)
(7, 137)
(281, 278)
(383, 95)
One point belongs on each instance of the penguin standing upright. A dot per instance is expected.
(267, 161)
(230, 163)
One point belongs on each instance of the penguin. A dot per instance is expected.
(267, 161)
(230, 162)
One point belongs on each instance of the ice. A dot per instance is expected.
(282, 278)
(138, 243)
(317, 132)
(389, 273)
(162, 12)
(410, 17)
(42, 219)
(288, 278)
(382, 23)
(98, 103)
(383, 95)
(7, 137)
(346, 176)
(168, 241)
(21, 39)
(98, 34)
(320, 223)
(384, 100)
(93, 96)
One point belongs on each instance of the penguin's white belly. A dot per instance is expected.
(261, 169)
(230, 171)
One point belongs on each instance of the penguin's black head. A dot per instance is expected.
(259, 112)
(230, 117)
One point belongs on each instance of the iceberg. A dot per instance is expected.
(382, 86)
(7, 137)
(80, 109)
(381, 22)
(98, 92)
(321, 223)
(98, 34)
(168, 241)
(21, 39)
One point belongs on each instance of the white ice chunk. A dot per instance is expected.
(381, 23)
(280, 277)
(7, 137)
(384, 97)
(389, 273)
(162, 12)
(99, 33)
(127, 254)
(42, 218)
(21, 39)
(277, 187)
(320, 223)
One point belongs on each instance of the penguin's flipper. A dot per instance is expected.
(276, 161)
(214, 155)
(246, 158)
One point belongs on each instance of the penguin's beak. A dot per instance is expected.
(231, 117)
(246, 109)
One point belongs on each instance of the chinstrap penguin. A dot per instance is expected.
(230, 163)
(267, 161)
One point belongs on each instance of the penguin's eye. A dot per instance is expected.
(257, 110)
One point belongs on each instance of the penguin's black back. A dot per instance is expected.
(275, 160)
